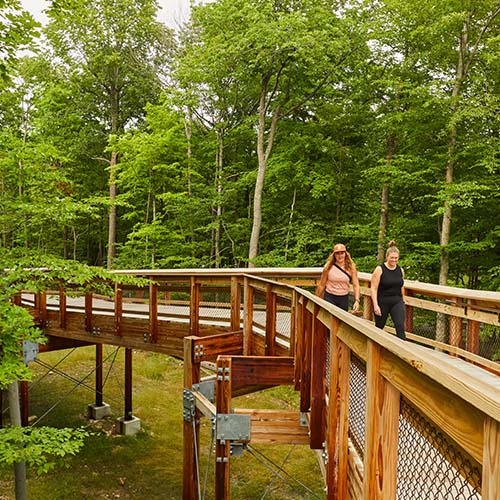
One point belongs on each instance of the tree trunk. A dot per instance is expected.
(112, 211)
(15, 420)
(384, 202)
(218, 195)
(263, 152)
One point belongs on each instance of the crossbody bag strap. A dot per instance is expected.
(344, 271)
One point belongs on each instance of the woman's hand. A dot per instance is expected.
(355, 306)
(376, 310)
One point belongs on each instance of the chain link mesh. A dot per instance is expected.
(430, 465)
(357, 403)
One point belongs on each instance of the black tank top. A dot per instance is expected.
(391, 282)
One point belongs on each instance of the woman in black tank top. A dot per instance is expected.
(387, 288)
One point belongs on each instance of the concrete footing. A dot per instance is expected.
(95, 412)
(128, 427)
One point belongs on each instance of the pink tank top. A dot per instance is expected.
(337, 282)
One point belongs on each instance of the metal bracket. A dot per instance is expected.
(232, 427)
(207, 388)
(198, 351)
(223, 374)
(30, 351)
(189, 405)
(237, 449)
(96, 331)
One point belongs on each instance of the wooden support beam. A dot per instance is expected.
(222, 447)
(491, 460)
(271, 299)
(344, 357)
(381, 434)
(118, 310)
(41, 298)
(25, 402)
(276, 426)
(262, 370)
(473, 336)
(235, 304)
(208, 348)
(299, 341)
(293, 319)
(318, 383)
(408, 313)
(98, 375)
(194, 307)
(190, 428)
(128, 414)
(88, 313)
(62, 307)
(332, 417)
(305, 377)
(153, 313)
(248, 299)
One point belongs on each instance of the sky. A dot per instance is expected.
(173, 12)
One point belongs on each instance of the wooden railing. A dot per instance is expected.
(374, 407)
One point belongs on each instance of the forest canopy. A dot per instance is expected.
(259, 133)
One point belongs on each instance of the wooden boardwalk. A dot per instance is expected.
(368, 401)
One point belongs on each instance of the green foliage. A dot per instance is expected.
(42, 448)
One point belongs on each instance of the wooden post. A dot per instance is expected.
(409, 314)
(344, 361)
(491, 460)
(455, 338)
(332, 420)
(194, 307)
(25, 402)
(42, 308)
(381, 438)
(270, 321)
(473, 336)
(153, 313)
(88, 312)
(318, 366)
(128, 384)
(293, 320)
(62, 307)
(305, 379)
(248, 296)
(299, 339)
(235, 304)
(98, 375)
(190, 479)
(222, 446)
(118, 310)
(367, 308)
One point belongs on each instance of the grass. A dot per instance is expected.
(149, 464)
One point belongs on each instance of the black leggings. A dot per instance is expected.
(341, 301)
(394, 306)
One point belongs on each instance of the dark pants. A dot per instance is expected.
(341, 301)
(394, 306)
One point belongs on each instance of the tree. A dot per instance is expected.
(115, 52)
(281, 54)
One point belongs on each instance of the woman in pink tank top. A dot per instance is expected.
(338, 274)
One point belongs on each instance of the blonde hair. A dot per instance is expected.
(391, 248)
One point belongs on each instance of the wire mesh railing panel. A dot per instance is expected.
(489, 342)
(430, 465)
(259, 311)
(357, 403)
(424, 323)
(215, 305)
(283, 317)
